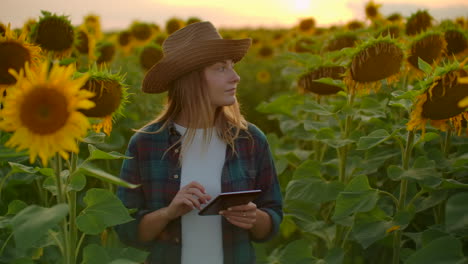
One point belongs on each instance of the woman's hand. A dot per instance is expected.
(189, 197)
(243, 216)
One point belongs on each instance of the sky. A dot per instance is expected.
(119, 14)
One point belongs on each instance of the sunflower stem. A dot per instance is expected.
(62, 199)
(72, 207)
(447, 142)
(402, 199)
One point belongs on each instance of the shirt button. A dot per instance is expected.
(176, 150)
(176, 176)
(177, 240)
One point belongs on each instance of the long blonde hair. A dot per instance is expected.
(189, 95)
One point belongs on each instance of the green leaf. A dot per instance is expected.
(47, 172)
(443, 250)
(16, 206)
(358, 196)
(335, 256)
(20, 168)
(424, 66)
(92, 171)
(96, 254)
(77, 182)
(313, 190)
(95, 154)
(67, 61)
(8, 153)
(95, 138)
(394, 172)
(103, 210)
(456, 212)
(452, 184)
(284, 104)
(373, 139)
(308, 169)
(429, 136)
(296, 252)
(371, 227)
(330, 81)
(33, 222)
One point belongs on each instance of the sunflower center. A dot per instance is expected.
(14, 56)
(107, 98)
(44, 111)
(55, 34)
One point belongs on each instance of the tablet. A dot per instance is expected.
(225, 200)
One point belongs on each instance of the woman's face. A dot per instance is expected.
(221, 80)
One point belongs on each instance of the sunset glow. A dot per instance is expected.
(241, 13)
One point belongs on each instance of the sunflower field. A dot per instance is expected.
(367, 122)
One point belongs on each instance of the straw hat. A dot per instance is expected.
(187, 49)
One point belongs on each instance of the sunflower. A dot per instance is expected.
(354, 25)
(341, 41)
(42, 111)
(373, 61)
(263, 76)
(372, 10)
(54, 34)
(150, 54)
(85, 42)
(308, 80)
(92, 23)
(29, 25)
(391, 30)
(110, 97)
(160, 38)
(174, 24)
(429, 46)
(105, 52)
(141, 32)
(192, 20)
(395, 18)
(418, 23)
(457, 42)
(266, 51)
(2, 29)
(14, 53)
(306, 24)
(440, 101)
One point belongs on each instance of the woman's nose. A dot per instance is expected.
(235, 77)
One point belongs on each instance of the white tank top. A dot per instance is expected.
(202, 235)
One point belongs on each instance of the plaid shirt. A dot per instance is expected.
(158, 173)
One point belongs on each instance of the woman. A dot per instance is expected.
(198, 147)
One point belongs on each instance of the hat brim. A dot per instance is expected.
(175, 65)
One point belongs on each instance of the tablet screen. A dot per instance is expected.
(228, 199)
